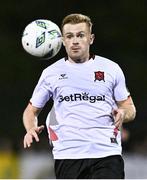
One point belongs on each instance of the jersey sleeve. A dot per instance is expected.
(120, 90)
(42, 92)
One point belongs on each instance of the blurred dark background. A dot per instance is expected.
(120, 29)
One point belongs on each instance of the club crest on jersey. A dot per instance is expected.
(99, 75)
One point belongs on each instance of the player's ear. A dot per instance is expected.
(92, 38)
(63, 41)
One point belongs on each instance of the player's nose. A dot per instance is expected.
(75, 40)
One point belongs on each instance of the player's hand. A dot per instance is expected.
(118, 115)
(32, 134)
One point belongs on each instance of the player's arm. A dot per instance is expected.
(126, 112)
(31, 125)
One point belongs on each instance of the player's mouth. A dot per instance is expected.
(75, 49)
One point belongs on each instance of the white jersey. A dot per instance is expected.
(84, 95)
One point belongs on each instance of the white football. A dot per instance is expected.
(42, 38)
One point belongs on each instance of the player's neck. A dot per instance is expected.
(79, 60)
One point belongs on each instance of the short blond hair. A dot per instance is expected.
(75, 19)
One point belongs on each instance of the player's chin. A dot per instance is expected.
(76, 57)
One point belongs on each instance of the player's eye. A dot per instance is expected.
(69, 36)
(81, 35)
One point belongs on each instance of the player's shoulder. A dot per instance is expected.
(105, 61)
(56, 66)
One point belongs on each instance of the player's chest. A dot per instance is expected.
(94, 80)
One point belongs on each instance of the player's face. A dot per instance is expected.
(77, 39)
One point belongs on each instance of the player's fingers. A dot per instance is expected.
(26, 144)
(116, 118)
(117, 125)
(32, 134)
(35, 136)
(118, 122)
(28, 139)
(40, 128)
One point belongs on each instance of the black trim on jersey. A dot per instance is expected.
(92, 56)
